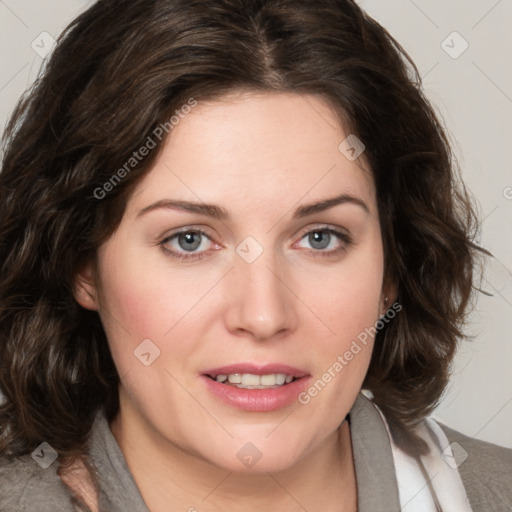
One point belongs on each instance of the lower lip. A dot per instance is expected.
(257, 400)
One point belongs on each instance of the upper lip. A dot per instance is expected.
(256, 369)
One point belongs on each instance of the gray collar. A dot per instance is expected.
(376, 480)
(377, 487)
(118, 490)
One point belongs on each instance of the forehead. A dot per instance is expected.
(257, 148)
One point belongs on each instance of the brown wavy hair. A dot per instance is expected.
(121, 69)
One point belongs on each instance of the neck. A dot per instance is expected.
(170, 478)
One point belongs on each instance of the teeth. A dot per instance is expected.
(251, 381)
(280, 378)
(269, 380)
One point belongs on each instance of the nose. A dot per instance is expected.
(261, 303)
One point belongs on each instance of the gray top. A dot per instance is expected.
(486, 474)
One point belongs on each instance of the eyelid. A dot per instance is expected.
(184, 255)
(184, 229)
(322, 227)
(342, 234)
(168, 234)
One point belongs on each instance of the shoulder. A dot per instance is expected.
(485, 470)
(26, 486)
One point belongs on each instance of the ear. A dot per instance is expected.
(85, 289)
(388, 295)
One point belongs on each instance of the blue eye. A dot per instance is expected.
(326, 241)
(319, 239)
(189, 241)
(186, 244)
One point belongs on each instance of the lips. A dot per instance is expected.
(256, 399)
(256, 369)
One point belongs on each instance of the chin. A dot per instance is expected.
(257, 456)
(266, 464)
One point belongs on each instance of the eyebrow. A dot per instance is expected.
(220, 213)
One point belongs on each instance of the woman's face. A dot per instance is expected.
(278, 270)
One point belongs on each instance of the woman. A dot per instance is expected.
(221, 221)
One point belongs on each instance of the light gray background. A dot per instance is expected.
(473, 94)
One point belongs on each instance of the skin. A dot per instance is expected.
(259, 156)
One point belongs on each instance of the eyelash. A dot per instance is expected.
(183, 255)
(342, 236)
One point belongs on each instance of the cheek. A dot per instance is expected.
(141, 292)
(347, 301)
(347, 298)
(129, 298)
(131, 303)
(141, 301)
